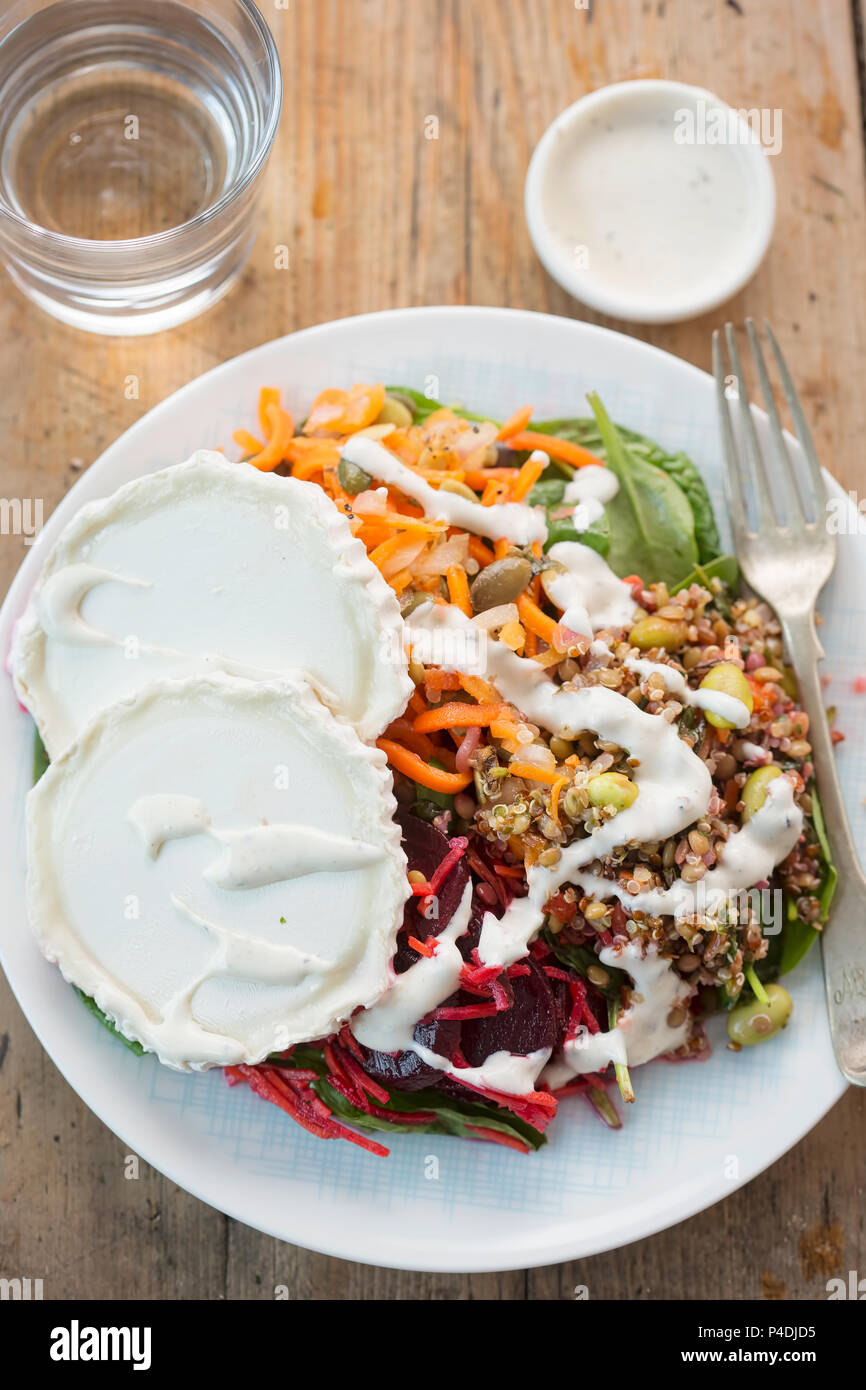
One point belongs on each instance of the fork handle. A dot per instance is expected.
(844, 943)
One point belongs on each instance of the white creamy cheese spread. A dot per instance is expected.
(216, 862)
(201, 567)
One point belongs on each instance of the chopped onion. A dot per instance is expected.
(497, 617)
(440, 557)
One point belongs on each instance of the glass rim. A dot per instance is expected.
(62, 242)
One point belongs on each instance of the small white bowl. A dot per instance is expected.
(651, 200)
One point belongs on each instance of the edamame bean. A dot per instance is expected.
(753, 1022)
(500, 582)
(611, 789)
(658, 632)
(754, 792)
(352, 479)
(395, 412)
(727, 679)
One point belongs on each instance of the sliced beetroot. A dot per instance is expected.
(425, 847)
(530, 1023)
(406, 1071)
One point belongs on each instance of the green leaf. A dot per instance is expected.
(424, 406)
(93, 1008)
(453, 1116)
(831, 876)
(651, 523)
(680, 468)
(596, 535)
(797, 941)
(548, 493)
(724, 567)
(579, 958)
(41, 760)
(799, 937)
(626, 1090)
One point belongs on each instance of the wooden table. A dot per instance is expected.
(376, 216)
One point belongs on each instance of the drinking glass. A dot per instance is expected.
(133, 138)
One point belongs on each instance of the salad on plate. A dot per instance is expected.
(420, 770)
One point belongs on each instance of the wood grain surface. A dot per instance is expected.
(375, 216)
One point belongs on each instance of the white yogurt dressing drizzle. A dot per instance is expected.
(587, 590)
(716, 701)
(512, 521)
(642, 1031)
(588, 491)
(389, 1025)
(674, 789)
(674, 785)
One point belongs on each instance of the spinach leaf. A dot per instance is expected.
(679, 467)
(724, 567)
(799, 937)
(92, 1007)
(423, 407)
(41, 759)
(651, 523)
(547, 493)
(688, 480)
(453, 1116)
(596, 535)
(831, 876)
(579, 958)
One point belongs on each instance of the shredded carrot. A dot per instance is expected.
(269, 395)
(480, 690)
(417, 703)
(248, 442)
(562, 449)
(527, 478)
(480, 552)
(516, 422)
(532, 617)
(458, 589)
(496, 491)
(402, 731)
(436, 680)
(420, 771)
(424, 948)
(280, 430)
(478, 478)
(386, 550)
(532, 772)
(555, 793)
(457, 715)
(400, 580)
(501, 549)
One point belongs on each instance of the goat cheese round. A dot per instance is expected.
(216, 862)
(208, 566)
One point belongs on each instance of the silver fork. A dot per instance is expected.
(788, 562)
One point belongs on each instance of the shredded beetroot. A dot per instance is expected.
(495, 880)
(461, 1012)
(495, 1136)
(455, 854)
(305, 1107)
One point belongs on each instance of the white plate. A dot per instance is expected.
(698, 1130)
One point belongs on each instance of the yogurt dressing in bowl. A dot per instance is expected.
(650, 200)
